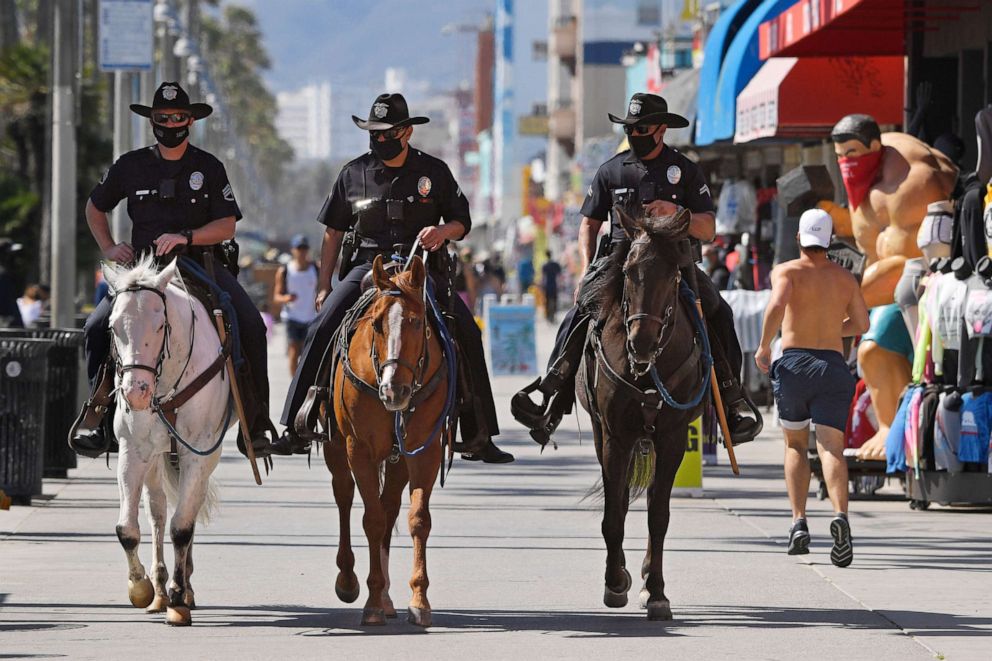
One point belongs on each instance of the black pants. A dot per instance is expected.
(332, 312)
(727, 355)
(250, 325)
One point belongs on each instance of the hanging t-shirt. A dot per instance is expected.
(947, 434)
(947, 309)
(975, 413)
(895, 442)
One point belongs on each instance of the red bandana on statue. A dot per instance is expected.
(858, 173)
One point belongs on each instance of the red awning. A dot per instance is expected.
(823, 28)
(804, 97)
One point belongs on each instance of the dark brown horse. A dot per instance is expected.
(394, 364)
(645, 361)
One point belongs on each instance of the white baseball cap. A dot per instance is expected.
(815, 228)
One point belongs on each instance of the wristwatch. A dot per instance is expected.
(188, 235)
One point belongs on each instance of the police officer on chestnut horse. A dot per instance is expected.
(381, 204)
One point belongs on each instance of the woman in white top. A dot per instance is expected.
(296, 289)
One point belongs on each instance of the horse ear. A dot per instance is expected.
(166, 275)
(629, 224)
(379, 276)
(417, 272)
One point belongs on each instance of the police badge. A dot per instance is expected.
(424, 186)
(674, 174)
(169, 92)
(635, 107)
(380, 110)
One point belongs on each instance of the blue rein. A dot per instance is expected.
(447, 348)
(707, 357)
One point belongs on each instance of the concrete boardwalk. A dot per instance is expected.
(516, 562)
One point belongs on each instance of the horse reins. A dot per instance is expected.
(629, 319)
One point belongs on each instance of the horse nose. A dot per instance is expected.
(395, 397)
(138, 395)
(641, 342)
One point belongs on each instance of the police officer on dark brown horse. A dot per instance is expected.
(178, 196)
(659, 179)
(382, 203)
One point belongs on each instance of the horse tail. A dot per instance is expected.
(640, 475)
(171, 486)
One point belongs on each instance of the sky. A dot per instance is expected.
(352, 43)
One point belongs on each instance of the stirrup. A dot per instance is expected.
(752, 433)
(307, 420)
(525, 411)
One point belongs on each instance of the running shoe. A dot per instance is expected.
(842, 552)
(799, 538)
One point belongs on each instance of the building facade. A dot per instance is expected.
(304, 121)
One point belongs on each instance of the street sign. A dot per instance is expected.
(511, 338)
(689, 478)
(127, 35)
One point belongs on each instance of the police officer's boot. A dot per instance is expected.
(743, 418)
(261, 431)
(88, 435)
(557, 389)
(304, 427)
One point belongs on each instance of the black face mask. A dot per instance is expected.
(642, 145)
(387, 149)
(170, 136)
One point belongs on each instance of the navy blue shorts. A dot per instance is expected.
(296, 331)
(812, 384)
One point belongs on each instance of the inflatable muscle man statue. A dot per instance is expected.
(890, 179)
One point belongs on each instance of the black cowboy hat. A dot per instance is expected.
(649, 109)
(172, 96)
(388, 111)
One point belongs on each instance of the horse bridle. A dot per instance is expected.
(418, 371)
(163, 351)
(629, 319)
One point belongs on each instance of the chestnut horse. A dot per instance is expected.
(642, 381)
(393, 366)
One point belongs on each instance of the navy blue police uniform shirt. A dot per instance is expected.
(202, 193)
(671, 177)
(424, 183)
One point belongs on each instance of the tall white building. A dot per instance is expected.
(304, 121)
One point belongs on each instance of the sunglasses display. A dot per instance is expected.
(165, 117)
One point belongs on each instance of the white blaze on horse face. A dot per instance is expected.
(138, 327)
(394, 396)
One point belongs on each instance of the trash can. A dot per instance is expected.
(23, 383)
(62, 395)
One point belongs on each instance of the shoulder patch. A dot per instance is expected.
(228, 193)
(704, 190)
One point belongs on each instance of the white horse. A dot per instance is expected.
(163, 339)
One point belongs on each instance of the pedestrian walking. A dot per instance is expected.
(296, 289)
(816, 303)
(550, 273)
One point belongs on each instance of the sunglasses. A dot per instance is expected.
(640, 129)
(391, 134)
(166, 117)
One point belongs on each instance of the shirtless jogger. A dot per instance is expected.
(816, 303)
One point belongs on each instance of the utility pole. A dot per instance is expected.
(123, 142)
(63, 165)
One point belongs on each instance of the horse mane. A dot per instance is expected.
(603, 295)
(600, 296)
(143, 274)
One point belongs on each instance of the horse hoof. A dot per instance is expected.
(644, 597)
(659, 610)
(189, 600)
(419, 616)
(618, 599)
(158, 605)
(178, 616)
(140, 592)
(373, 617)
(347, 594)
(388, 608)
